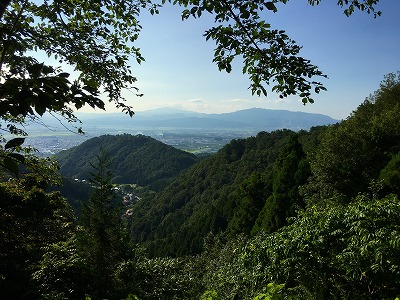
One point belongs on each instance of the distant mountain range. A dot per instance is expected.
(250, 119)
(255, 119)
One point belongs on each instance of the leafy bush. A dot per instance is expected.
(329, 252)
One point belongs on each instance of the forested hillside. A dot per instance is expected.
(282, 215)
(361, 150)
(228, 191)
(136, 159)
(309, 215)
(255, 184)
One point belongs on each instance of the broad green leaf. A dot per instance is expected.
(14, 143)
(64, 75)
(40, 109)
(18, 157)
(271, 6)
(10, 165)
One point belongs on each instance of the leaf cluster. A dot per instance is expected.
(30, 220)
(94, 37)
(329, 252)
(270, 56)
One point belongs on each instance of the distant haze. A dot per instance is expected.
(250, 119)
(186, 130)
(254, 119)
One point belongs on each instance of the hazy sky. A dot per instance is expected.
(355, 52)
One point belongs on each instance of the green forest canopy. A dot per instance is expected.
(97, 39)
(256, 184)
(267, 217)
(345, 237)
(339, 187)
(342, 241)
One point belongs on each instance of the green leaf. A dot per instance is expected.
(10, 165)
(35, 69)
(64, 75)
(40, 109)
(92, 83)
(271, 6)
(14, 143)
(244, 14)
(18, 157)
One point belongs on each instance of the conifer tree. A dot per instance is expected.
(101, 239)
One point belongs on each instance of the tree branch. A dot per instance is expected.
(3, 53)
(239, 22)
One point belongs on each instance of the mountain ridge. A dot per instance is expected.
(258, 119)
(253, 119)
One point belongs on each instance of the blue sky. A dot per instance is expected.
(355, 52)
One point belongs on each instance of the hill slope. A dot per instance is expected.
(253, 184)
(248, 184)
(134, 159)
